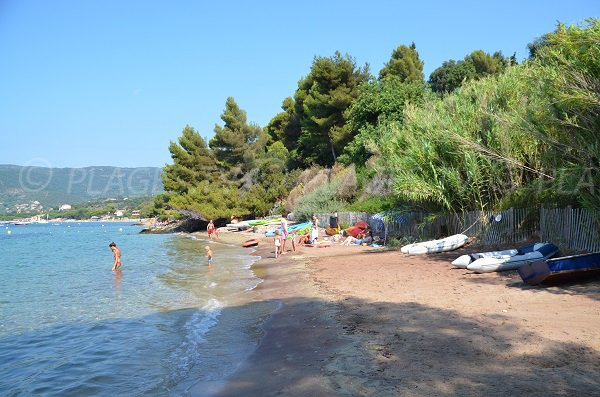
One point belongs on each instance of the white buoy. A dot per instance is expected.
(9, 232)
(120, 229)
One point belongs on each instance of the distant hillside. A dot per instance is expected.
(52, 187)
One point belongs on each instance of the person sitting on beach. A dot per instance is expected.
(358, 240)
(209, 255)
(277, 242)
(304, 239)
(117, 254)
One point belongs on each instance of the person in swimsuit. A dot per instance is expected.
(277, 242)
(314, 230)
(117, 254)
(284, 232)
(209, 255)
(211, 229)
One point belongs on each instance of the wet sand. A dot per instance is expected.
(360, 321)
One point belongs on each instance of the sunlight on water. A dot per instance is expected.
(72, 327)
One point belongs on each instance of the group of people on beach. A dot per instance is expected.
(280, 238)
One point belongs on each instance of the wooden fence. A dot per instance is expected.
(572, 230)
(575, 229)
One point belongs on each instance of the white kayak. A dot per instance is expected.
(525, 255)
(445, 244)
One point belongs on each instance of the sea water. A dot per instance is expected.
(69, 326)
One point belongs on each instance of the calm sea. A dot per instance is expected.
(71, 327)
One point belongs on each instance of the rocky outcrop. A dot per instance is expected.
(188, 225)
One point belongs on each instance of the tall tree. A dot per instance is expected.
(486, 64)
(379, 102)
(451, 75)
(193, 162)
(285, 126)
(235, 144)
(476, 65)
(321, 99)
(404, 64)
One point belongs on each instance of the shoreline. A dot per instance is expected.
(298, 337)
(359, 321)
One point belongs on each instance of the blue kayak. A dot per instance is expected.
(293, 228)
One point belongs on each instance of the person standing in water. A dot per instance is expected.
(209, 255)
(117, 254)
(211, 229)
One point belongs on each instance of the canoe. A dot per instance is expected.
(428, 247)
(291, 229)
(502, 263)
(565, 268)
(250, 243)
(260, 222)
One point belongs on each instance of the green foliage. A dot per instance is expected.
(285, 126)
(476, 65)
(320, 200)
(210, 200)
(236, 144)
(321, 99)
(535, 46)
(378, 102)
(486, 64)
(569, 69)
(193, 162)
(526, 135)
(238, 174)
(450, 152)
(451, 75)
(374, 204)
(512, 134)
(104, 207)
(404, 65)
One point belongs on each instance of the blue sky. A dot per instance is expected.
(111, 82)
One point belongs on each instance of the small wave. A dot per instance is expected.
(188, 353)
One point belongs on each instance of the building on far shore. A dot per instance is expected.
(65, 207)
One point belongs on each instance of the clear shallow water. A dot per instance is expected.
(70, 326)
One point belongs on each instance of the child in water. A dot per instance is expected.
(209, 255)
(277, 242)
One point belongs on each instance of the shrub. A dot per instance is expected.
(321, 200)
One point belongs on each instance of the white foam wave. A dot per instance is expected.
(188, 353)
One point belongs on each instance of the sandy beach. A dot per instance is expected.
(361, 321)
